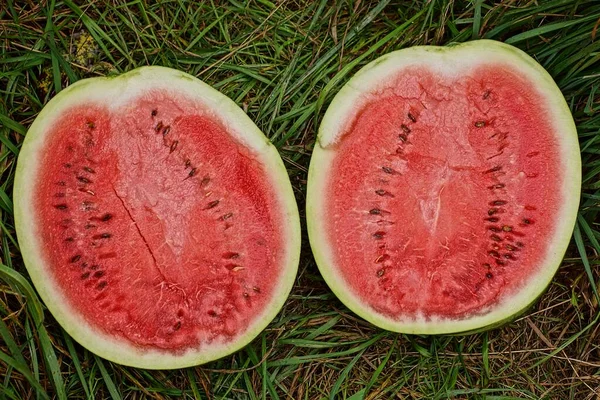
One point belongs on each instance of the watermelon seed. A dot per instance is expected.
(85, 275)
(69, 239)
(246, 294)
(527, 221)
(89, 169)
(91, 125)
(102, 236)
(489, 275)
(226, 216)
(61, 183)
(507, 228)
(75, 258)
(488, 266)
(204, 181)
(101, 285)
(158, 126)
(67, 165)
(83, 179)
(532, 154)
(486, 94)
(256, 289)
(497, 203)
(88, 191)
(499, 262)
(496, 186)
(492, 219)
(106, 217)
(494, 169)
(382, 192)
(381, 272)
(405, 128)
(154, 113)
(510, 248)
(375, 211)
(166, 130)
(379, 234)
(192, 172)
(94, 267)
(231, 255)
(496, 238)
(509, 256)
(61, 206)
(89, 226)
(382, 258)
(212, 204)
(177, 326)
(174, 146)
(212, 313)
(530, 208)
(187, 163)
(494, 253)
(387, 170)
(107, 255)
(492, 211)
(494, 229)
(412, 117)
(98, 274)
(520, 244)
(238, 268)
(495, 155)
(479, 124)
(402, 137)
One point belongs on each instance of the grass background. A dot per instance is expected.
(283, 61)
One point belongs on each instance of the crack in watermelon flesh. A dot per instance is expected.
(162, 230)
(444, 192)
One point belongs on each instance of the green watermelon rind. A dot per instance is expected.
(341, 113)
(115, 91)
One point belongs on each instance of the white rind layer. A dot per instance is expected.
(448, 61)
(117, 92)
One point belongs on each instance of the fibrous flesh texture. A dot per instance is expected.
(444, 192)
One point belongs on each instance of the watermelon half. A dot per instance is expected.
(443, 187)
(156, 220)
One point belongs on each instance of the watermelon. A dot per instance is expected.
(443, 188)
(156, 221)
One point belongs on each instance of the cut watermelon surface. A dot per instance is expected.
(444, 187)
(156, 221)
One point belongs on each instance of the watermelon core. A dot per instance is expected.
(443, 192)
(162, 230)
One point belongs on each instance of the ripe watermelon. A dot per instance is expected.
(444, 187)
(155, 219)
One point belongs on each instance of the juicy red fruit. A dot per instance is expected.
(443, 193)
(159, 226)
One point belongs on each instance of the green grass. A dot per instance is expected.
(283, 61)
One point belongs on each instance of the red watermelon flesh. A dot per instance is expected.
(444, 193)
(163, 231)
